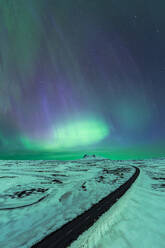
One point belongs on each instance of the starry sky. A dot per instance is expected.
(82, 75)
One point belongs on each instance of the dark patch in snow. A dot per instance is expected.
(84, 187)
(8, 177)
(106, 171)
(158, 178)
(24, 193)
(59, 175)
(100, 179)
(118, 172)
(57, 181)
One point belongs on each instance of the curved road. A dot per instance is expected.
(69, 232)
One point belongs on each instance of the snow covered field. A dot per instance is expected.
(141, 222)
(38, 197)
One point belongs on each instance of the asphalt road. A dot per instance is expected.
(69, 232)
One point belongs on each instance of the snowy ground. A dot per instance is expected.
(37, 197)
(140, 218)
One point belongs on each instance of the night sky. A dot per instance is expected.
(82, 75)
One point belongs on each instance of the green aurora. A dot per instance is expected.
(82, 77)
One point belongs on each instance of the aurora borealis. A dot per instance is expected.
(82, 75)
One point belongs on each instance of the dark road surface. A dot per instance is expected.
(69, 232)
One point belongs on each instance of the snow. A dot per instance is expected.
(38, 197)
(137, 220)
